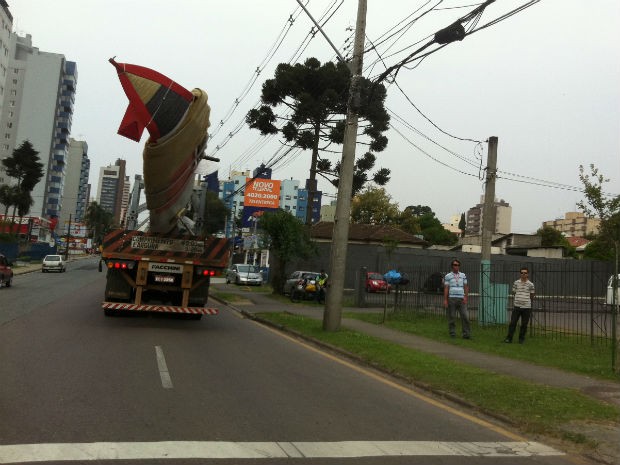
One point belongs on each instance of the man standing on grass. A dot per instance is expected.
(455, 293)
(523, 291)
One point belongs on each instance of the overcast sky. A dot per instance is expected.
(545, 81)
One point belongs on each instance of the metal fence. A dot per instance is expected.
(570, 296)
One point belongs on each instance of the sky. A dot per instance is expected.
(544, 81)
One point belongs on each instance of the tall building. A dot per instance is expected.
(38, 95)
(503, 218)
(111, 189)
(76, 189)
(6, 24)
(575, 224)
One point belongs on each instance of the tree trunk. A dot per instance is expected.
(311, 184)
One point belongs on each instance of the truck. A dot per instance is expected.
(164, 266)
(164, 273)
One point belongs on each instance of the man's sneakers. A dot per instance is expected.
(508, 341)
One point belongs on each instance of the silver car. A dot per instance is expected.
(244, 274)
(295, 277)
(53, 263)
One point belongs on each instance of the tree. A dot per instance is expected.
(215, 214)
(24, 166)
(317, 97)
(551, 237)
(98, 220)
(434, 232)
(286, 238)
(8, 197)
(462, 225)
(421, 220)
(374, 206)
(607, 208)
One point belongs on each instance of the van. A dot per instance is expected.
(610, 292)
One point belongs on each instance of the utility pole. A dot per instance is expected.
(68, 239)
(488, 227)
(488, 213)
(340, 236)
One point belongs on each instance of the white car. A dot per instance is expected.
(53, 263)
(244, 274)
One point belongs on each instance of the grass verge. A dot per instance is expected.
(585, 359)
(535, 408)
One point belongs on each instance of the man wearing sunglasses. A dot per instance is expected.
(455, 293)
(523, 291)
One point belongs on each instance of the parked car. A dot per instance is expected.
(610, 291)
(6, 273)
(244, 274)
(54, 263)
(295, 278)
(375, 282)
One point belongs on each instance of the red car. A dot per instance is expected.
(375, 282)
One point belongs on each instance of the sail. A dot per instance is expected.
(156, 102)
(177, 121)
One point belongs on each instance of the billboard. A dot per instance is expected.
(262, 193)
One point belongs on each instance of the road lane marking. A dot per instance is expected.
(164, 374)
(405, 389)
(83, 452)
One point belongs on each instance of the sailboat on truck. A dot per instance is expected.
(165, 268)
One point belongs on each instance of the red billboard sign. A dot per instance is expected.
(264, 193)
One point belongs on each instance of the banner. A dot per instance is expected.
(264, 193)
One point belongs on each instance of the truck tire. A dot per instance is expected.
(110, 312)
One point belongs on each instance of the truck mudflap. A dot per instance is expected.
(158, 308)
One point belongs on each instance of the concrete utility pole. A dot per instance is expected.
(488, 227)
(488, 214)
(340, 236)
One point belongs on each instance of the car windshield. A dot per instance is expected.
(52, 258)
(247, 269)
(375, 276)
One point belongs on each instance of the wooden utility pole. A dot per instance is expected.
(340, 236)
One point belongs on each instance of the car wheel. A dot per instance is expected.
(237, 282)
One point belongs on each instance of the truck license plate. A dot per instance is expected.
(164, 278)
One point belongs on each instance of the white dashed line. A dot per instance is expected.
(166, 381)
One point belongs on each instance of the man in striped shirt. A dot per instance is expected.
(455, 299)
(523, 291)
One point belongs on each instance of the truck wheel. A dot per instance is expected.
(109, 312)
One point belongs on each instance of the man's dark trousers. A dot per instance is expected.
(524, 314)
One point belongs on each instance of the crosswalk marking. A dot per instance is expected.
(83, 452)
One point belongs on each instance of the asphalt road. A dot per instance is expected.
(76, 385)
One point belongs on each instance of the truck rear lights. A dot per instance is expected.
(205, 272)
(121, 264)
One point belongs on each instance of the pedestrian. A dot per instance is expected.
(321, 285)
(523, 292)
(455, 294)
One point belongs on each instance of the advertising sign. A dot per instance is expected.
(264, 193)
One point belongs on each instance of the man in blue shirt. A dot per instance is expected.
(455, 293)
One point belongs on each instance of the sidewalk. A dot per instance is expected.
(607, 391)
